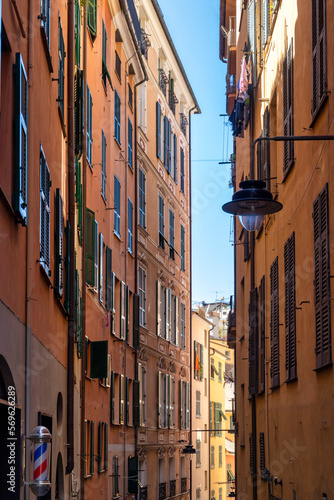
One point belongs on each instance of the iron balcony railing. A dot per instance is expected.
(183, 484)
(172, 100)
(172, 487)
(163, 81)
(162, 491)
(183, 123)
(143, 493)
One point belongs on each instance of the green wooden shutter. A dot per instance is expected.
(101, 246)
(77, 31)
(253, 343)
(323, 348)
(91, 17)
(20, 195)
(59, 237)
(158, 129)
(78, 112)
(99, 359)
(211, 422)
(90, 246)
(274, 325)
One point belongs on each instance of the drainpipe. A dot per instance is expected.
(209, 393)
(71, 202)
(29, 249)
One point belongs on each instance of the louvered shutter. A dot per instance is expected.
(253, 343)
(187, 404)
(92, 446)
(262, 333)
(101, 246)
(122, 310)
(108, 275)
(121, 399)
(105, 461)
(78, 112)
(177, 320)
(168, 298)
(135, 302)
(127, 312)
(166, 141)
(99, 446)
(266, 147)
(136, 405)
(159, 399)
(262, 453)
(251, 455)
(252, 38)
(175, 157)
(274, 325)
(265, 21)
(201, 362)
(90, 246)
(158, 129)
(20, 196)
(113, 303)
(319, 54)
(323, 347)
(77, 32)
(91, 16)
(59, 271)
(195, 358)
(44, 213)
(67, 266)
(127, 401)
(288, 108)
(290, 308)
(181, 404)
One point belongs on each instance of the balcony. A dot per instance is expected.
(172, 100)
(231, 329)
(163, 81)
(172, 488)
(231, 92)
(183, 484)
(143, 493)
(145, 43)
(162, 491)
(183, 123)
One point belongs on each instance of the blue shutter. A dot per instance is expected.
(101, 246)
(158, 127)
(175, 157)
(20, 197)
(130, 143)
(108, 302)
(117, 119)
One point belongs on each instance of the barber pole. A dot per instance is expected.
(41, 444)
(40, 468)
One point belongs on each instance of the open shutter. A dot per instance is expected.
(127, 401)
(319, 54)
(160, 375)
(274, 325)
(323, 347)
(105, 461)
(77, 32)
(158, 128)
(168, 297)
(99, 446)
(122, 310)
(136, 404)
(127, 313)
(135, 321)
(262, 333)
(252, 38)
(196, 360)
(92, 446)
(265, 21)
(187, 404)
(90, 246)
(113, 303)
(67, 267)
(201, 362)
(91, 16)
(20, 196)
(78, 112)
(181, 404)
(175, 157)
(288, 108)
(290, 308)
(159, 289)
(59, 274)
(121, 399)
(253, 343)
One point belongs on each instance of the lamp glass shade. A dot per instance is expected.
(251, 222)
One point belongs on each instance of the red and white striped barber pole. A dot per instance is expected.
(41, 439)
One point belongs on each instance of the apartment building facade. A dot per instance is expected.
(281, 329)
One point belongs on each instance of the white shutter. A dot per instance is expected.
(176, 320)
(123, 310)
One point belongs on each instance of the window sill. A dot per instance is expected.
(323, 367)
(47, 49)
(118, 236)
(117, 142)
(130, 252)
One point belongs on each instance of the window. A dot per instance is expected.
(115, 477)
(142, 296)
(175, 157)
(323, 346)
(220, 456)
(253, 343)
(59, 238)
(105, 72)
(184, 404)
(290, 308)
(183, 326)
(45, 20)
(44, 213)
(163, 400)
(274, 325)
(89, 126)
(118, 65)
(91, 17)
(182, 187)
(130, 226)
(142, 394)
(212, 457)
(101, 246)
(142, 201)
(198, 404)
(220, 494)
(103, 165)
(171, 234)
(319, 52)
(117, 120)
(288, 109)
(130, 163)
(198, 452)
(61, 69)
(20, 197)
(158, 129)
(183, 267)
(198, 360)
(117, 207)
(161, 222)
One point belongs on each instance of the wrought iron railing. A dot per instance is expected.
(183, 484)
(172, 100)
(163, 81)
(183, 123)
(172, 487)
(145, 43)
(162, 491)
(143, 493)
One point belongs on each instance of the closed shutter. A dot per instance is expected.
(108, 275)
(78, 112)
(135, 302)
(160, 375)
(252, 38)
(181, 404)
(195, 361)
(21, 141)
(265, 21)
(252, 460)
(89, 127)
(91, 16)
(92, 446)
(61, 69)
(274, 325)
(319, 54)
(121, 399)
(127, 313)
(67, 267)
(262, 291)
(175, 157)
(168, 298)
(177, 320)
(266, 148)
(90, 246)
(59, 274)
(290, 308)
(201, 362)
(127, 401)
(77, 31)
(136, 403)
(253, 343)
(105, 466)
(166, 123)
(122, 310)
(262, 453)
(103, 165)
(187, 404)
(158, 129)
(288, 108)
(101, 246)
(99, 446)
(323, 348)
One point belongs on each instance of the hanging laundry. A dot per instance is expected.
(243, 81)
(249, 71)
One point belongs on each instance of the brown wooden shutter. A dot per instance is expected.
(319, 54)
(288, 108)
(274, 324)
(323, 347)
(290, 308)
(262, 333)
(266, 147)
(262, 453)
(253, 343)
(252, 457)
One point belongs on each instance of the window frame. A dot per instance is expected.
(117, 206)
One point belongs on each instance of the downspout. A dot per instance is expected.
(71, 202)
(29, 251)
(209, 394)
(83, 274)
